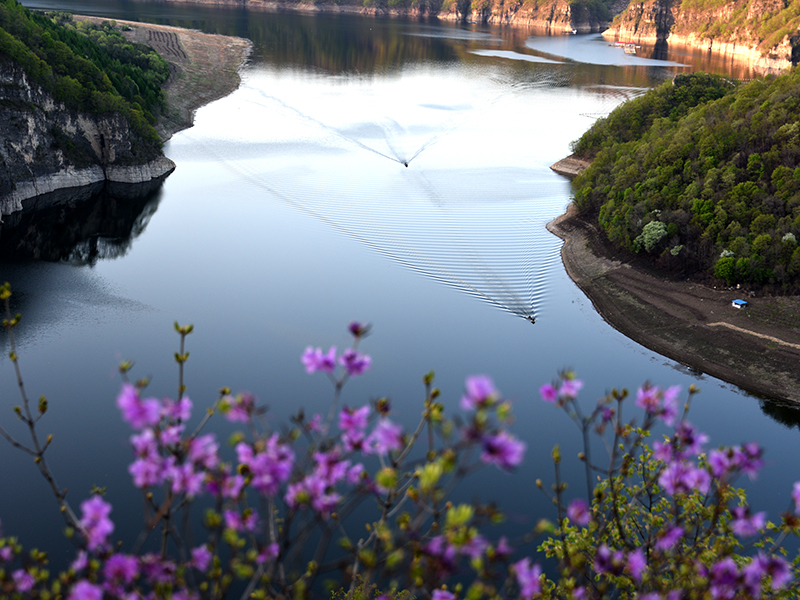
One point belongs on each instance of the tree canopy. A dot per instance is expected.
(717, 164)
(91, 68)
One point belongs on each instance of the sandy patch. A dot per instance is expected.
(203, 67)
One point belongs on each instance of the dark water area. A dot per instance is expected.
(79, 226)
(291, 213)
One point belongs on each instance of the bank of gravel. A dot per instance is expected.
(203, 67)
(757, 349)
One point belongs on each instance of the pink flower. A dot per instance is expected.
(201, 557)
(748, 459)
(83, 590)
(233, 520)
(23, 580)
(528, 578)
(637, 563)
(232, 486)
(503, 549)
(185, 480)
(609, 561)
(549, 393)
(578, 512)
(156, 569)
(720, 463)
(121, 568)
(796, 496)
(354, 362)
(724, 579)
(442, 595)
(475, 547)
(171, 435)
(570, 388)
(502, 450)
(745, 525)
(357, 329)
(80, 562)
(355, 474)
(353, 419)
(179, 411)
(648, 398)
(270, 552)
(203, 451)
(136, 412)
(315, 424)
(269, 467)
(669, 538)
(480, 393)
(315, 360)
(684, 478)
(239, 408)
(385, 438)
(761, 566)
(95, 522)
(669, 411)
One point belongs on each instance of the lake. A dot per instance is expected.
(291, 213)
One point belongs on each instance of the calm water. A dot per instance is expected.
(291, 213)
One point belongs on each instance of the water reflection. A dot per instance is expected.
(785, 414)
(79, 225)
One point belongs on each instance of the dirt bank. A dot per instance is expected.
(203, 67)
(757, 348)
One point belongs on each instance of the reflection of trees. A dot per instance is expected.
(786, 414)
(80, 225)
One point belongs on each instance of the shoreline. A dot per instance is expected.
(204, 67)
(756, 349)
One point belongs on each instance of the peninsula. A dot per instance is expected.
(667, 230)
(79, 107)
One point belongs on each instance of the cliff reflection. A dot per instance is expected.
(786, 414)
(79, 225)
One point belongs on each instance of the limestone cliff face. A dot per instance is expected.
(44, 146)
(725, 30)
(554, 16)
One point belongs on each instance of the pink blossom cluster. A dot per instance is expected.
(499, 448)
(353, 362)
(302, 489)
(684, 469)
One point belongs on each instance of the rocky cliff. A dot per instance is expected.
(551, 16)
(554, 16)
(44, 146)
(762, 32)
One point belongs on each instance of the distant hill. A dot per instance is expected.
(702, 177)
(765, 32)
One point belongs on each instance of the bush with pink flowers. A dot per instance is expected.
(352, 504)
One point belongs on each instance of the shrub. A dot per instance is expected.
(664, 521)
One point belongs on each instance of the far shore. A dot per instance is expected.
(756, 348)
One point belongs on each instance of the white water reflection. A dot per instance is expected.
(437, 176)
(513, 56)
(593, 50)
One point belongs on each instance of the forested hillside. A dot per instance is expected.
(764, 22)
(702, 176)
(89, 68)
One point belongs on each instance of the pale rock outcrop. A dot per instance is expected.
(44, 146)
(658, 21)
